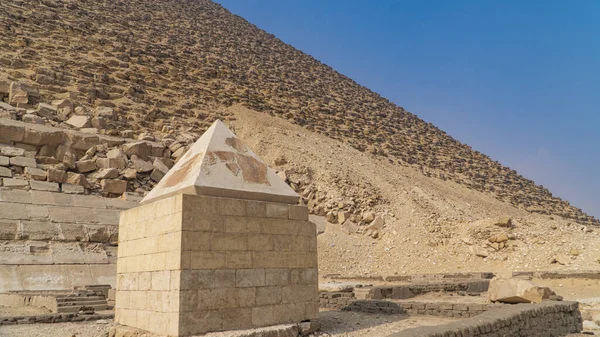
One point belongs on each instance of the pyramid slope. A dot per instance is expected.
(220, 164)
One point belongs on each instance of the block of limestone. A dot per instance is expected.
(219, 244)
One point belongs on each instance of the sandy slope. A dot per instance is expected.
(428, 220)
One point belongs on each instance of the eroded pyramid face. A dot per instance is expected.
(220, 164)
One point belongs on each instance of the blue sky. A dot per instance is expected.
(516, 80)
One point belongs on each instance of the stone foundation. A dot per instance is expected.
(194, 264)
(532, 320)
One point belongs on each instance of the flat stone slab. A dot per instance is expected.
(219, 164)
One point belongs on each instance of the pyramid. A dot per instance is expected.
(219, 164)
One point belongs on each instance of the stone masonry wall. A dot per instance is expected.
(533, 320)
(215, 264)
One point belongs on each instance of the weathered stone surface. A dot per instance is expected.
(109, 173)
(23, 162)
(220, 164)
(15, 183)
(114, 186)
(515, 290)
(58, 176)
(72, 189)
(160, 170)
(44, 186)
(77, 179)
(140, 165)
(12, 151)
(35, 173)
(85, 166)
(4, 161)
(478, 251)
(242, 268)
(31, 118)
(377, 223)
(79, 121)
(118, 163)
(106, 112)
(6, 172)
(140, 149)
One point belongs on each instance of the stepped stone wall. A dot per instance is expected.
(548, 319)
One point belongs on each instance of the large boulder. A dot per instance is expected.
(514, 290)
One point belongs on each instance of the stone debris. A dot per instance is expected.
(139, 88)
(517, 290)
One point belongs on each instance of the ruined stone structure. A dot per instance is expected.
(219, 244)
(128, 67)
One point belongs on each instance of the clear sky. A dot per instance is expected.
(516, 80)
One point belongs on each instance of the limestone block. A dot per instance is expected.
(250, 278)
(260, 242)
(42, 135)
(106, 112)
(263, 316)
(32, 118)
(516, 290)
(98, 233)
(107, 173)
(238, 318)
(11, 278)
(44, 186)
(118, 163)
(114, 186)
(67, 253)
(12, 151)
(23, 162)
(18, 196)
(40, 230)
(140, 165)
(13, 211)
(4, 161)
(298, 212)
(95, 254)
(85, 166)
(58, 176)
(35, 173)
(235, 260)
(10, 133)
(229, 206)
(140, 149)
(79, 121)
(72, 189)
(256, 209)
(207, 260)
(228, 242)
(280, 211)
(9, 229)
(5, 172)
(46, 110)
(49, 198)
(277, 277)
(36, 212)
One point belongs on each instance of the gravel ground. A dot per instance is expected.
(334, 324)
(88, 329)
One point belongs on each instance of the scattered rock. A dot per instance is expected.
(516, 290)
(114, 186)
(79, 121)
(504, 222)
(478, 251)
